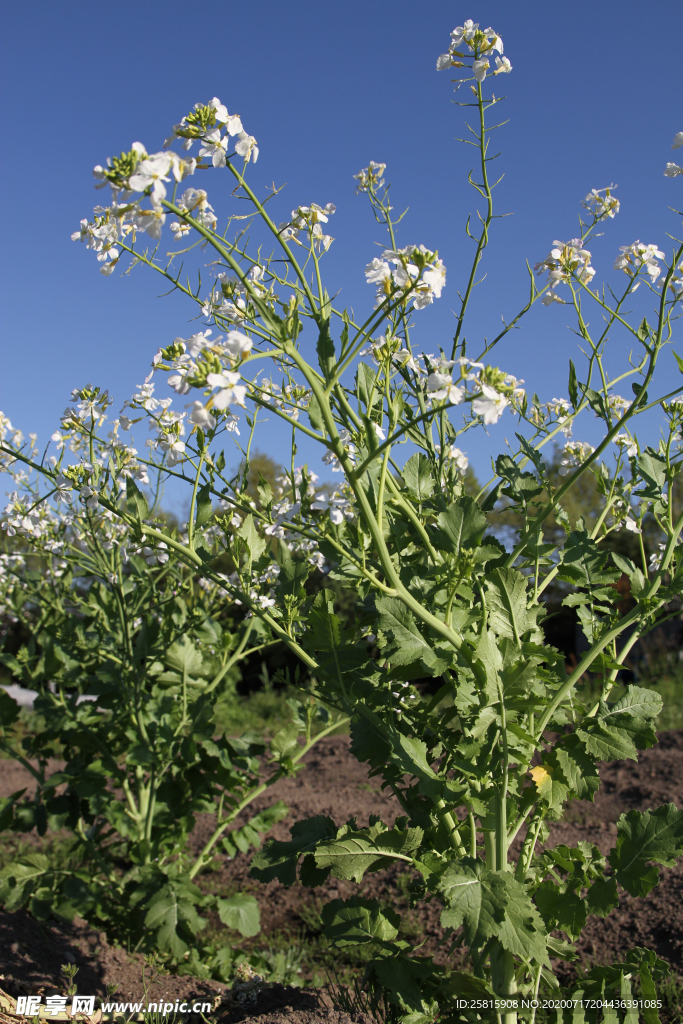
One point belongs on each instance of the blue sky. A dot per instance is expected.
(594, 98)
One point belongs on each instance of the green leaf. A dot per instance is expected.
(521, 486)
(240, 912)
(204, 505)
(491, 904)
(643, 837)
(172, 915)
(602, 897)
(506, 599)
(365, 384)
(252, 540)
(285, 742)
(584, 563)
(9, 709)
(356, 920)
(573, 387)
(279, 859)
(135, 500)
(652, 470)
(417, 476)
(565, 910)
(406, 642)
(352, 853)
(184, 657)
(578, 770)
(678, 360)
(461, 525)
(325, 350)
(324, 631)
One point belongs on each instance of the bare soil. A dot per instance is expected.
(334, 783)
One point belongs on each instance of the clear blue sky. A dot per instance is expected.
(594, 98)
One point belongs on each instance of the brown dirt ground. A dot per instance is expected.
(31, 952)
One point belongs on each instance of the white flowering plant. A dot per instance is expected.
(456, 700)
(128, 656)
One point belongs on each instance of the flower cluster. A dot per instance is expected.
(561, 410)
(602, 203)
(370, 178)
(564, 261)
(213, 127)
(140, 171)
(480, 44)
(633, 258)
(417, 273)
(574, 454)
(672, 170)
(309, 218)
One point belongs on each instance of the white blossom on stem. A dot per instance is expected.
(490, 405)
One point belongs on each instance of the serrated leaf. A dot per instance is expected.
(461, 525)
(584, 562)
(492, 903)
(520, 485)
(356, 920)
(240, 912)
(183, 656)
(406, 642)
(352, 853)
(565, 910)
(644, 836)
(252, 540)
(171, 911)
(602, 897)
(417, 476)
(506, 600)
(279, 859)
(577, 769)
(652, 469)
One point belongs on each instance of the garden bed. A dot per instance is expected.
(334, 783)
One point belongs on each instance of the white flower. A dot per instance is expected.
(89, 495)
(237, 345)
(458, 457)
(678, 141)
(179, 229)
(232, 121)
(625, 441)
(441, 386)
(63, 488)
(231, 392)
(490, 406)
(503, 66)
(201, 417)
(215, 147)
(631, 525)
(377, 271)
(152, 172)
(671, 171)
(333, 505)
(480, 67)
(246, 147)
(379, 432)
